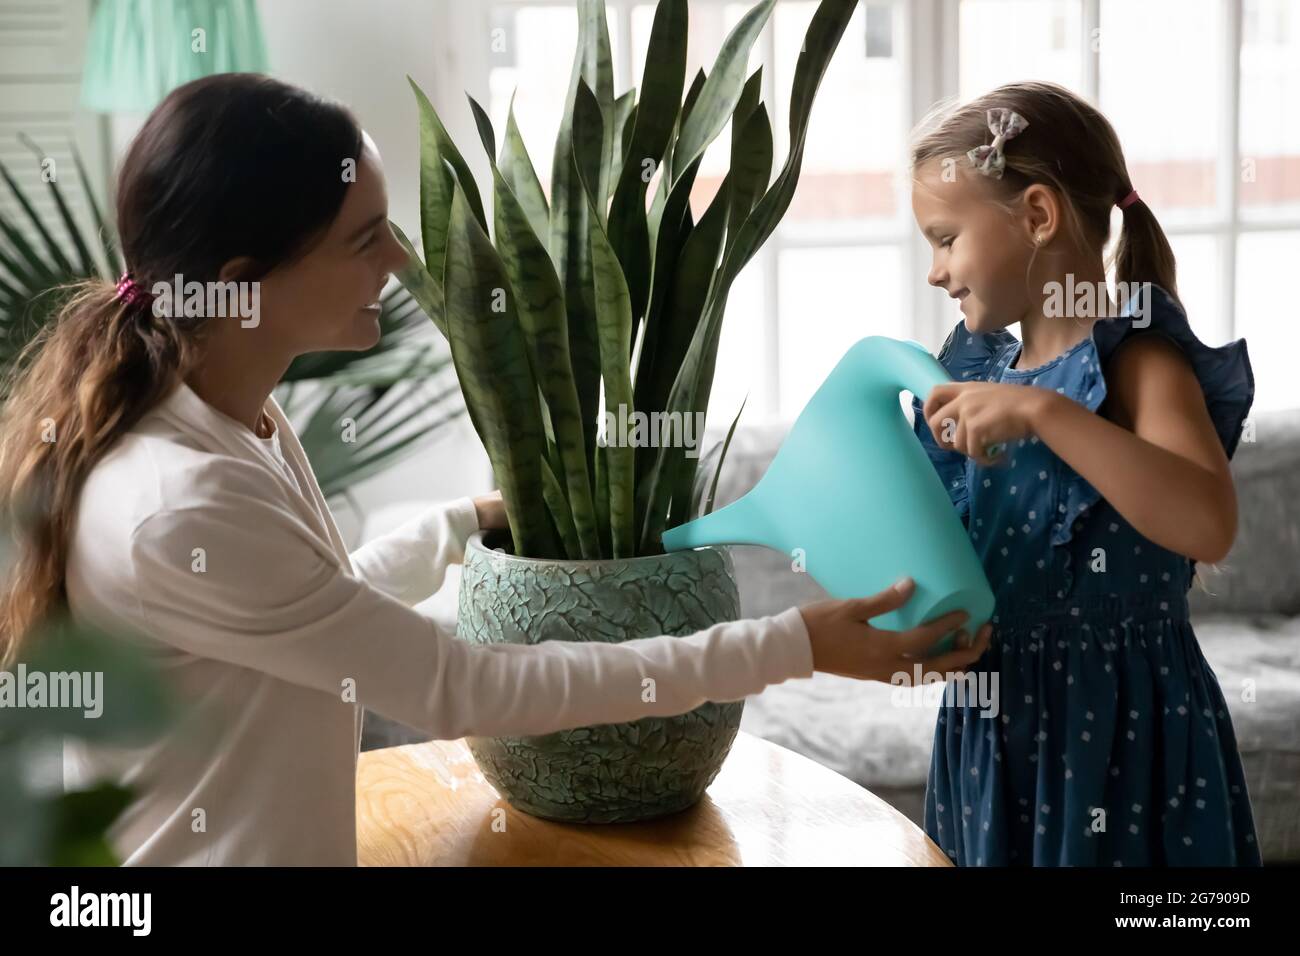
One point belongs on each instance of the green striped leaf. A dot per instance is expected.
(672, 239)
(424, 287)
(662, 81)
(707, 507)
(674, 473)
(437, 183)
(666, 181)
(614, 321)
(692, 281)
(614, 329)
(560, 513)
(568, 242)
(722, 89)
(496, 376)
(483, 123)
(751, 156)
(624, 127)
(521, 177)
(540, 305)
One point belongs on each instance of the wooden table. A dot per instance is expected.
(428, 805)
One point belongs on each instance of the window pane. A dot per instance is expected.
(1271, 335)
(1270, 121)
(1007, 40)
(1165, 98)
(880, 29)
(830, 298)
(742, 356)
(1199, 284)
(856, 137)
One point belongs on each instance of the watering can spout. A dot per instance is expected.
(738, 523)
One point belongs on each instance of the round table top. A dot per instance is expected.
(428, 805)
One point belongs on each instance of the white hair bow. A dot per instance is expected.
(1004, 124)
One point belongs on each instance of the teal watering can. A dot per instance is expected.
(853, 490)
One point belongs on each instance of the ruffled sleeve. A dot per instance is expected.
(1224, 373)
(967, 357)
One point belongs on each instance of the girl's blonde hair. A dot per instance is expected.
(1069, 146)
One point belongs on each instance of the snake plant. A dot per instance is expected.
(593, 288)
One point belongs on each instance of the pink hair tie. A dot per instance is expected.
(1128, 200)
(131, 292)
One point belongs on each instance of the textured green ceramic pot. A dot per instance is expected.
(612, 773)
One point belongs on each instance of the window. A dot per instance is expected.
(1002, 41)
(880, 30)
(1219, 162)
(1203, 117)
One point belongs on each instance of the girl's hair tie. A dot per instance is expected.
(1128, 200)
(131, 292)
(1004, 124)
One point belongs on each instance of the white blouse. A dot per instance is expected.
(215, 550)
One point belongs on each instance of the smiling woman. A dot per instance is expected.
(176, 216)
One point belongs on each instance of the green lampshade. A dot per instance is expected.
(140, 50)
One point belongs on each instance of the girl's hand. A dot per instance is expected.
(844, 642)
(974, 417)
(491, 510)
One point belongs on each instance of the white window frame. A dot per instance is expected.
(1225, 224)
(930, 42)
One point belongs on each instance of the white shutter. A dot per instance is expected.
(42, 48)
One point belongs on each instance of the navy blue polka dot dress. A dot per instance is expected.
(1112, 744)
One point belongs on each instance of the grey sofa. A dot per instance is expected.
(1248, 622)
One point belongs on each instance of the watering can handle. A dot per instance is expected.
(916, 370)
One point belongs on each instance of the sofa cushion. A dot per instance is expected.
(1262, 572)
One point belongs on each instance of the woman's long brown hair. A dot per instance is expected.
(228, 166)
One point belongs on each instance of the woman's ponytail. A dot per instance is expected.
(79, 385)
(236, 166)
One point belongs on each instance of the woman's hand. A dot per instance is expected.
(972, 417)
(844, 642)
(491, 511)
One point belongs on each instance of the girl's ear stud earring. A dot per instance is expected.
(1038, 239)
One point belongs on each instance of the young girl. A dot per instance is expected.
(1089, 461)
(168, 446)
